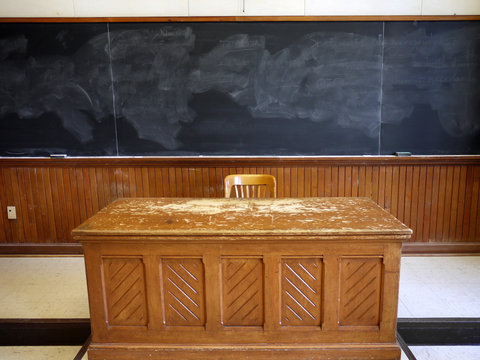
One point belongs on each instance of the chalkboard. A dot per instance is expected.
(261, 88)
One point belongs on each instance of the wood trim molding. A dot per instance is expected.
(440, 249)
(409, 249)
(28, 249)
(240, 161)
(241, 18)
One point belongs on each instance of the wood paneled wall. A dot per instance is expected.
(438, 197)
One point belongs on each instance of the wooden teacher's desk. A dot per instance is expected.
(173, 278)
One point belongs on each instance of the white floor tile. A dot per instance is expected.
(440, 286)
(403, 311)
(43, 287)
(39, 352)
(446, 352)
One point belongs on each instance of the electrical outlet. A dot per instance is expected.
(11, 212)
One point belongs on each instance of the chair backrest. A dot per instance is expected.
(250, 186)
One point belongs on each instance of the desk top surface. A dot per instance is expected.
(242, 217)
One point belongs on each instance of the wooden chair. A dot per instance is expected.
(251, 186)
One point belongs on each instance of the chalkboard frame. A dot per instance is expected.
(239, 18)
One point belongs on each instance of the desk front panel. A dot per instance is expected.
(242, 292)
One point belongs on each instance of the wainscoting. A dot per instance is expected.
(436, 196)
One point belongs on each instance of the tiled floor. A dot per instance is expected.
(39, 352)
(439, 287)
(43, 287)
(446, 352)
(55, 287)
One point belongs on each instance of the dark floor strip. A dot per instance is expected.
(440, 331)
(54, 332)
(419, 332)
(406, 350)
(84, 349)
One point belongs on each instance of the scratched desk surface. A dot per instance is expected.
(219, 216)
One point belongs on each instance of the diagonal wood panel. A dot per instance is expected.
(242, 285)
(124, 280)
(360, 291)
(183, 287)
(301, 292)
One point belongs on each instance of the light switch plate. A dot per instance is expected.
(11, 212)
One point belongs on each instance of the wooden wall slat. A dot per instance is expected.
(321, 187)
(341, 181)
(414, 201)
(462, 192)
(454, 204)
(477, 180)
(68, 206)
(334, 181)
(389, 188)
(185, 183)
(371, 181)
(395, 190)
(308, 181)
(448, 202)
(382, 183)
(11, 197)
(355, 181)
(427, 213)
(13, 179)
(54, 222)
(139, 182)
(439, 201)
(4, 223)
(30, 227)
(205, 183)
(287, 177)
(98, 176)
(294, 182)
(422, 204)
(435, 200)
(408, 198)
(38, 186)
(375, 183)
(75, 200)
(58, 217)
(299, 183)
(198, 181)
(82, 195)
(165, 184)
(468, 204)
(474, 231)
(32, 204)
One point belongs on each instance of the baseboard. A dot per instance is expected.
(425, 249)
(41, 249)
(409, 249)
(124, 351)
